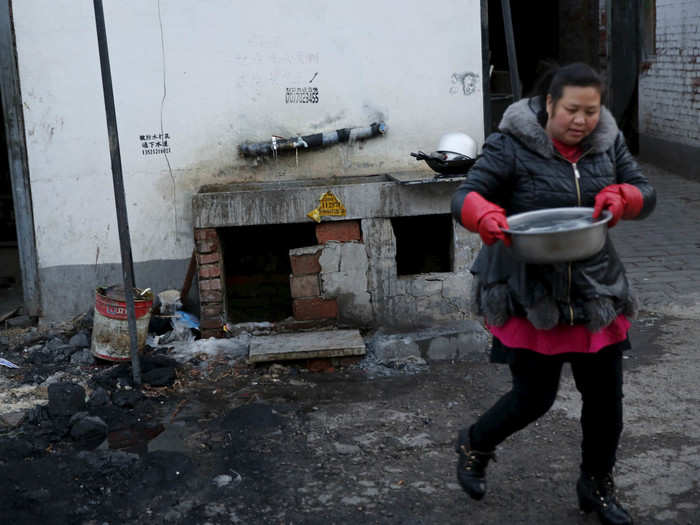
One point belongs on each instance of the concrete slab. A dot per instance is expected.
(306, 345)
(285, 202)
(449, 341)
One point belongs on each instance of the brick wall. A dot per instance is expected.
(669, 83)
(350, 276)
(211, 290)
(309, 300)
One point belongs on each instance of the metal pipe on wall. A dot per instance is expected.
(317, 140)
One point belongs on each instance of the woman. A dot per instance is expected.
(561, 148)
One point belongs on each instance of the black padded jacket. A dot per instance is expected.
(520, 170)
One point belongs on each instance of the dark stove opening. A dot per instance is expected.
(257, 268)
(423, 244)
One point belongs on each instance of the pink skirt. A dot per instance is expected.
(518, 332)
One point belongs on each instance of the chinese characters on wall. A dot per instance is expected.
(155, 143)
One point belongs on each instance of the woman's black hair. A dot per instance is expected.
(555, 78)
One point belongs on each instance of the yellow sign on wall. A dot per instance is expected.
(329, 206)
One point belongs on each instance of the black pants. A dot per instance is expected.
(535, 383)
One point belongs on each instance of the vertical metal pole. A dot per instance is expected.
(486, 66)
(510, 45)
(119, 198)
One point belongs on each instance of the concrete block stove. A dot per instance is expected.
(384, 253)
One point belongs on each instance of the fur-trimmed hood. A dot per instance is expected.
(520, 121)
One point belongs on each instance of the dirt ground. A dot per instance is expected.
(232, 443)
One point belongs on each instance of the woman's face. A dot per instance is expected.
(574, 116)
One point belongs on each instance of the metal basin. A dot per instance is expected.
(556, 235)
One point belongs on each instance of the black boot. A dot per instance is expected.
(471, 466)
(597, 493)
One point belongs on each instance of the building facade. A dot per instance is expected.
(193, 82)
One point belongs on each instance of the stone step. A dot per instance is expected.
(306, 345)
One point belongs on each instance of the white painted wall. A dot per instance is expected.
(220, 80)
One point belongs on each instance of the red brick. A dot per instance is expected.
(305, 264)
(342, 231)
(314, 308)
(207, 246)
(212, 310)
(305, 286)
(210, 284)
(206, 234)
(208, 271)
(210, 323)
(210, 296)
(208, 258)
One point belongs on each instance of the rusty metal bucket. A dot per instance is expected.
(110, 327)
